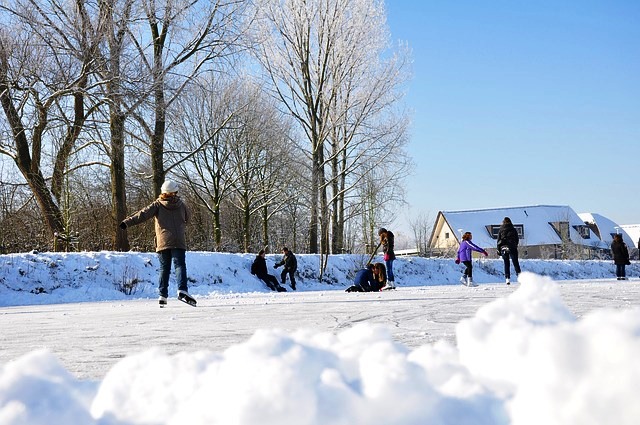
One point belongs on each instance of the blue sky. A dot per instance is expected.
(523, 103)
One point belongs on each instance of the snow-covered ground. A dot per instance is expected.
(77, 350)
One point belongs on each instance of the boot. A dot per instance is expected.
(463, 279)
(470, 281)
(508, 281)
(389, 285)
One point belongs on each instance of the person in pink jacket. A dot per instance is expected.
(464, 257)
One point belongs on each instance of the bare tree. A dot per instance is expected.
(294, 49)
(323, 58)
(259, 158)
(205, 148)
(114, 70)
(421, 227)
(45, 64)
(185, 36)
(368, 131)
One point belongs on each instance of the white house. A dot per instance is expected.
(546, 231)
(633, 230)
(606, 228)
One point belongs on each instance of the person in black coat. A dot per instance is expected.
(290, 267)
(508, 240)
(620, 256)
(259, 268)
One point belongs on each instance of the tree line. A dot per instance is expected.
(281, 120)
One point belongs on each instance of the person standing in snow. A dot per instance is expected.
(465, 257)
(508, 240)
(290, 267)
(620, 255)
(386, 239)
(171, 217)
(259, 268)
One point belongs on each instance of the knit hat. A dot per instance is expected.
(169, 186)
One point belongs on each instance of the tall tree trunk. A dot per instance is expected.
(265, 226)
(315, 195)
(118, 192)
(246, 220)
(160, 107)
(340, 219)
(48, 207)
(157, 140)
(217, 231)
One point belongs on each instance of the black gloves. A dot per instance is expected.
(123, 225)
(275, 266)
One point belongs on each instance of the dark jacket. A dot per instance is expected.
(259, 267)
(171, 218)
(387, 245)
(365, 281)
(620, 253)
(289, 261)
(508, 236)
(364, 278)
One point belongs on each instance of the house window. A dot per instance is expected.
(494, 229)
(583, 231)
(446, 235)
(561, 228)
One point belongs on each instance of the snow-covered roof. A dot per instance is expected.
(606, 228)
(633, 230)
(535, 220)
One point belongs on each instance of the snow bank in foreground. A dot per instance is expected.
(523, 359)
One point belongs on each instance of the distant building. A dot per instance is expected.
(605, 229)
(633, 230)
(546, 231)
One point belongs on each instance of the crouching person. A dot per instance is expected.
(259, 268)
(369, 279)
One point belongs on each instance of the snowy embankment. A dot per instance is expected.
(520, 359)
(46, 278)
